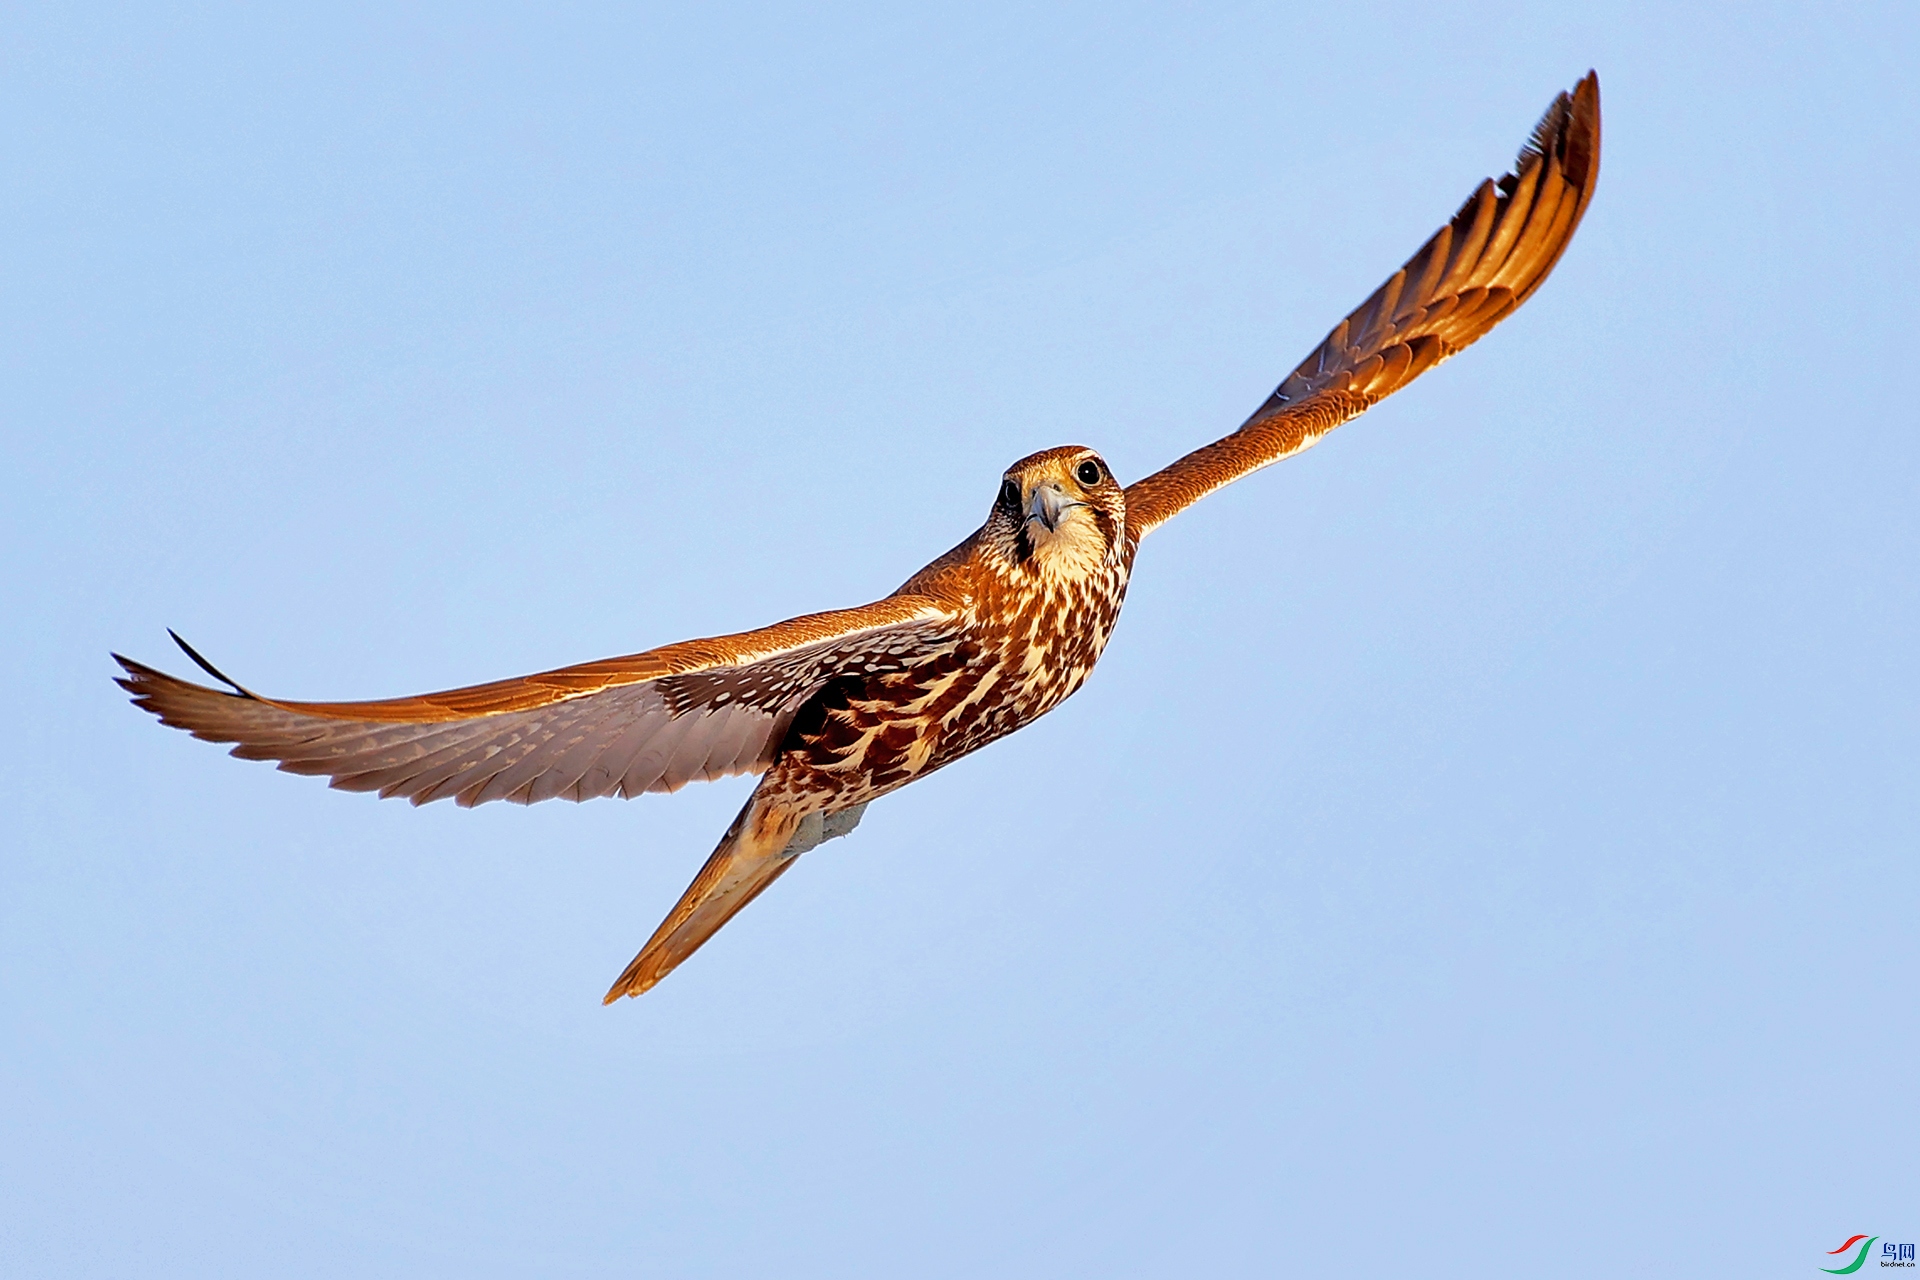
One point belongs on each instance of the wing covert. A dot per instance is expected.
(1468, 277)
(650, 721)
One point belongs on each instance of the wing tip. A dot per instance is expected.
(138, 674)
(161, 695)
(1568, 131)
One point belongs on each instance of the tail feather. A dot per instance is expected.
(752, 855)
(757, 850)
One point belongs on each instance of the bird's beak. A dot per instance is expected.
(1047, 505)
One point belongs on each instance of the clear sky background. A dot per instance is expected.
(1489, 845)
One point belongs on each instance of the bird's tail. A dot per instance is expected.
(752, 855)
(760, 845)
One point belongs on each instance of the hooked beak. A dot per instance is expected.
(1048, 504)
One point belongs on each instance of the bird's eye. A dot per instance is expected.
(1088, 473)
(1010, 492)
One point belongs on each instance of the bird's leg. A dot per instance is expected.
(751, 856)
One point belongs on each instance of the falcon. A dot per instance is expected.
(834, 710)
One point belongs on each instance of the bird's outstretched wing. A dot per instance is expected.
(1466, 279)
(651, 721)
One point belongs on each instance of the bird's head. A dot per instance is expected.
(1059, 513)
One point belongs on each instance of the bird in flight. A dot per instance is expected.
(834, 710)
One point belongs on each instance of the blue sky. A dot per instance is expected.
(1489, 841)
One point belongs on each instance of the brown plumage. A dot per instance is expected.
(837, 709)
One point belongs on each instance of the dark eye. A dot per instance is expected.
(1010, 492)
(1088, 473)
